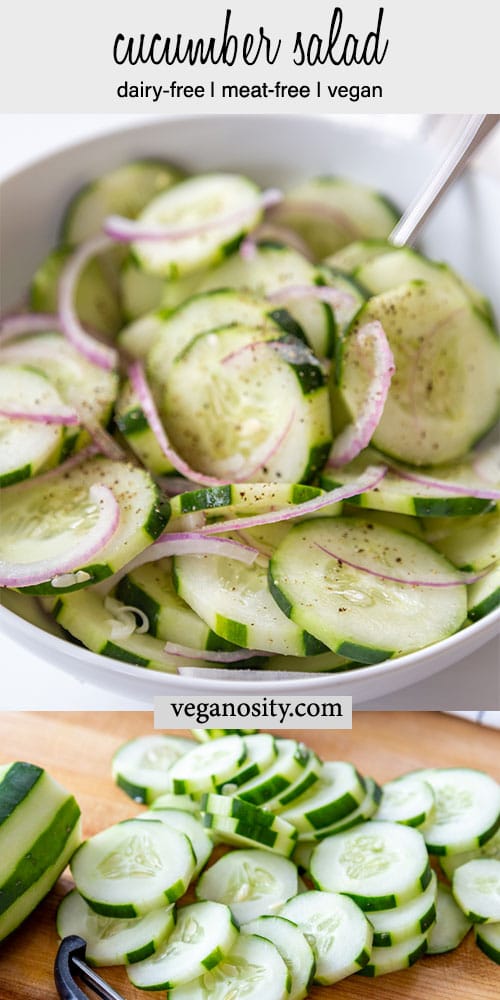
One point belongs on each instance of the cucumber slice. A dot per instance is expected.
(261, 752)
(252, 965)
(140, 766)
(91, 390)
(337, 930)
(191, 827)
(401, 496)
(439, 404)
(252, 816)
(272, 268)
(322, 663)
(221, 415)
(203, 935)
(490, 849)
(379, 864)
(234, 601)
(302, 856)
(241, 833)
(137, 338)
(124, 191)
(207, 766)
(291, 762)
(210, 311)
(471, 543)
(27, 446)
(467, 809)
(366, 809)
(132, 868)
(339, 791)
(169, 800)
(113, 940)
(484, 596)
(41, 519)
(206, 198)
(354, 254)
(151, 588)
(205, 735)
(343, 606)
(451, 925)
(293, 947)
(476, 888)
(134, 425)
(97, 299)
(407, 800)
(391, 927)
(330, 212)
(251, 882)
(307, 781)
(488, 940)
(356, 295)
(39, 831)
(140, 293)
(243, 499)
(398, 956)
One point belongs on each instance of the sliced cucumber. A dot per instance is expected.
(205, 735)
(339, 791)
(169, 800)
(151, 588)
(203, 935)
(133, 424)
(471, 543)
(261, 752)
(293, 947)
(39, 831)
(337, 930)
(313, 583)
(439, 403)
(206, 198)
(379, 864)
(140, 293)
(230, 393)
(307, 781)
(407, 800)
(140, 767)
(484, 596)
(467, 809)
(210, 311)
(41, 519)
(26, 447)
(251, 882)
(137, 338)
(252, 966)
(124, 191)
(490, 849)
(252, 816)
(291, 762)
(366, 810)
(355, 295)
(488, 940)
(190, 826)
(243, 498)
(402, 496)
(132, 868)
(451, 925)
(402, 923)
(207, 766)
(396, 957)
(241, 833)
(97, 298)
(322, 663)
(234, 601)
(113, 940)
(272, 268)
(353, 255)
(476, 888)
(330, 212)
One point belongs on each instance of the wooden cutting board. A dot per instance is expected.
(77, 747)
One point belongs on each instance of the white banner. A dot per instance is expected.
(240, 712)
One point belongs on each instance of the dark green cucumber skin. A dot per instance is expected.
(211, 497)
(43, 853)
(427, 506)
(388, 902)
(383, 939)
(16, 786)
(304, 786)
(244, 829)
(488, 950)
(370, 970)
(10, 478)
(482, 839)
(484, 607)
(135, 792)
(132, 422)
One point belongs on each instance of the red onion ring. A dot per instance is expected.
(323, 293)
(125, 230)
(98, 353)
(450, 489)
(357, 435)
(461, 579)
(103, 441)
(20, 323)
(66, 418)
(368, 481)
(43, 570)
(175, 649)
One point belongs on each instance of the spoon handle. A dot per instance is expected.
(476, 128)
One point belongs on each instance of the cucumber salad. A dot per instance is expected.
(241, 428)
(258, 863)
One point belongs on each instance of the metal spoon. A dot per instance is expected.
(476, 128)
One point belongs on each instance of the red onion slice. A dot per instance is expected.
(129, 230)
(103, 441)
(95, 351)
(175, 649)
(334, 297)
(448, 488)
(143, 393)
(370, 478)
(65, 418)
(356, 436)
(20, 323)
(43, 570)
(459, 580)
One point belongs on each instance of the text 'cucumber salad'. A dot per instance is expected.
(241, 428)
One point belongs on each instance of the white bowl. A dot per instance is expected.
(274, 150)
